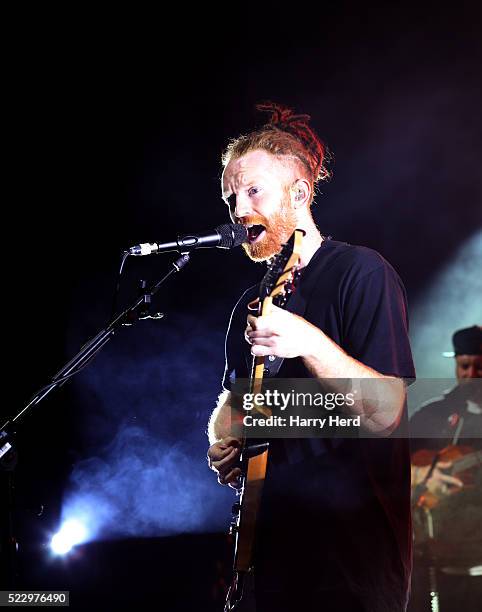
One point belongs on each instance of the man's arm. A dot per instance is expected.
(325, 359)
(223, 454)
(219, 425)
(284, 334)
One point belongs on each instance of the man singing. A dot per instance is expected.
(334, 529)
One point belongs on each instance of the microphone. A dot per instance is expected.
(225, 236)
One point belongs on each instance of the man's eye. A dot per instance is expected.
(253, 191)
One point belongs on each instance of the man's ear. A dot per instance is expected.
(300, 193)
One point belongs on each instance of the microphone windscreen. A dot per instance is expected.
(232, 235)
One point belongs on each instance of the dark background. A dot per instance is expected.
(118, 122)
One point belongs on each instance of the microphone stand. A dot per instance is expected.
(129, 316)
(137, 310)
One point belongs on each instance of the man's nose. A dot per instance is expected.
(472, 372)
(242, 208)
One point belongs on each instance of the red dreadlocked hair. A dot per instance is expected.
(285, 135)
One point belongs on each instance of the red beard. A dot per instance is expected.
(278, 229)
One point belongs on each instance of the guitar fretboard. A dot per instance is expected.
(466, 462)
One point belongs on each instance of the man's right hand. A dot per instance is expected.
(439, 483)
(223, 457)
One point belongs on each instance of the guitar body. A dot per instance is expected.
(276, 286)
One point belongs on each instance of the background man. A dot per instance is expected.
(334, 531)
(446, 435)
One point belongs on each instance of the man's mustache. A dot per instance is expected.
(255, 220)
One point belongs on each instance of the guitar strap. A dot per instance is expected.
(458, 430)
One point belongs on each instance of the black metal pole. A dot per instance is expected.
(88, 352)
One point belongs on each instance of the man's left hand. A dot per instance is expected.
(281, 333)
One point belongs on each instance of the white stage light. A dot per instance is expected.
(71, 533)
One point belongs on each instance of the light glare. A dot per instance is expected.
(71, 533)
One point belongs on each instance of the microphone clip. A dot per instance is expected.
(142, 312)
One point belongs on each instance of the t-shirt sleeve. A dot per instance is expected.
(375, 321)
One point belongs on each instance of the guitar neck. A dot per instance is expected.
(277, 284)
(466, 462)
(257, 370)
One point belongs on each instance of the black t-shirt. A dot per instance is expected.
(445, 421)
(338, 511)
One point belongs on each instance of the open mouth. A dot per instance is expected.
(254, 232)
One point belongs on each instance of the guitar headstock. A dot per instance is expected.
(280, 280)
